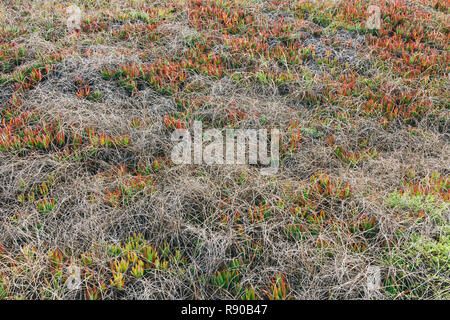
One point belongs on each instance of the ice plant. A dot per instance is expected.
(229, 277)
(279, 289)
(249, 294)
(259, 213)
(118, 280)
